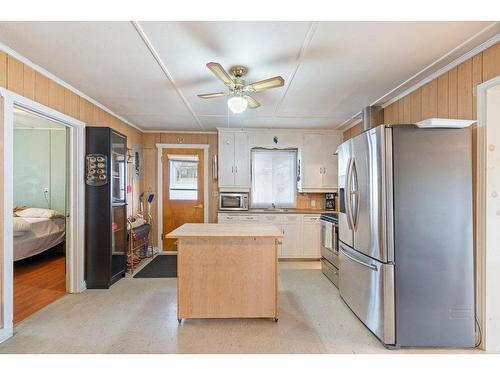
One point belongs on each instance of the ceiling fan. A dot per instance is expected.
(238, 88)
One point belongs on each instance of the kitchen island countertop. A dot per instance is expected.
(226, 230)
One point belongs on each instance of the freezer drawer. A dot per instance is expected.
(330, 271)
(367, 286)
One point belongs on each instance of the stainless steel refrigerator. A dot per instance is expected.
(405, 234)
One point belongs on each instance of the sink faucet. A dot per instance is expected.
(273, 205)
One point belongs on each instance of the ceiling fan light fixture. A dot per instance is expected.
(237, 104)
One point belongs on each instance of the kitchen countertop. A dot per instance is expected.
(287, 211)
(225, 230)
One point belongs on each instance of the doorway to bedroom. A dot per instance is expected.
(40, 201)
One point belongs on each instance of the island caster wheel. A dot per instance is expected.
(276, 320)
(179, 321)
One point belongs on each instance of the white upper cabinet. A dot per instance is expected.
(241, 160)
(330, 163)
(312, 162)
(226, 159)
(234, 168)
(319, 162)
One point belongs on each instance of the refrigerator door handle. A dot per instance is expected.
(367, 265)
(355, 195)
(347, 195)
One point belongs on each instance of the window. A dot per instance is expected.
(183, 184)
(274, 178)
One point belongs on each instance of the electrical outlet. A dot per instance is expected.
(313, 203)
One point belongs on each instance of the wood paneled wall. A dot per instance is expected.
(451, 95)
(150, 163)
(23, 80)
(352, 132)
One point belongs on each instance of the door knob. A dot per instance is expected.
(198, 206)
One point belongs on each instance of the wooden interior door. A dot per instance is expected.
(183, 190)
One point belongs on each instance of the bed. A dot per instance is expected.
(43, 234)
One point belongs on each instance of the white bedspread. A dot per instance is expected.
(20, 226)
(45, 233)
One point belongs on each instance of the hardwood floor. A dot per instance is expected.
(38, 281)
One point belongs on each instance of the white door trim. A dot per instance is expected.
(488, 278)
(160, 147)
(75, 281)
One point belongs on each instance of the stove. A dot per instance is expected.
(329, 246)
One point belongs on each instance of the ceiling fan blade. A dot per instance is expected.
(213, 95)
(266, 84)
(219, 71)
(252, 103)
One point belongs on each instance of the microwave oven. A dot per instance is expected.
(233, 201)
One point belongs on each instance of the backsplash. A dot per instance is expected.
(305, 201)
(309, 201)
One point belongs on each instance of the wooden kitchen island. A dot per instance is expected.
(227, 270)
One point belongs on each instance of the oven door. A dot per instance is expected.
(233, 202)
(329, 249)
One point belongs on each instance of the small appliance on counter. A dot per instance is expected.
(330, 201)
(329, 247)
(233, 201)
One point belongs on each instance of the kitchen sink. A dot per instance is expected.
(270, 210)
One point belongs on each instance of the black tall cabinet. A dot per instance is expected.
(105, 207)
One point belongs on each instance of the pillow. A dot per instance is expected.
(19, 208)
(39, 213)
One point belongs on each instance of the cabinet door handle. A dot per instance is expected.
(236, 169)
(232, 169)
(324, 170)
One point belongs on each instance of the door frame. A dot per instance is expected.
(75, 282)
(160, 147)
(487, 279)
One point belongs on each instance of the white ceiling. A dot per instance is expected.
(331, 69)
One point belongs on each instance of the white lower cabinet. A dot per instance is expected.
(292, 241)
(311, 236)
(227, 219)
(301, 233)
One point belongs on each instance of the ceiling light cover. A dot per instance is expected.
(237, 104)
